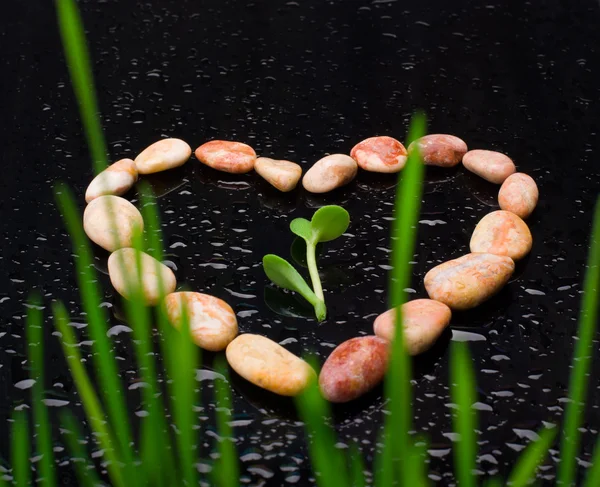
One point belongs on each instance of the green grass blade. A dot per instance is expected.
(588, 319)
(86, 476)
(35, 342)
(463, 394)
(404, 232)
(524, 471)
(418, 457)
(20, 451)
(384, 462)
(592, 477)
(104, 361)
(89, 399)
(78, 62)
(357, 468)
(493, 482)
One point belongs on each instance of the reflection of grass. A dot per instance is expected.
(166, 451)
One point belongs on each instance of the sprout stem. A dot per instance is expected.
(311, 260)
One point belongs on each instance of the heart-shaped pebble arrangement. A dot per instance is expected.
(357, 365)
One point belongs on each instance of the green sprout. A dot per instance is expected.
(328, 223)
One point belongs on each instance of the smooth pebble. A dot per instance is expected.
(468, 281)
(329, 173)
(125, 275)
(519, 194)
(423, 321)
(380, 154)
(110, 222)
(268, 365)
(162, 155)
(212, 322)
(354, 368)
(502, 233)
(492, 166)
(227, 156)
(283, 175)
(441, 150)
(116, 179)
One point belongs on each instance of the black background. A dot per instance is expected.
(297, 80)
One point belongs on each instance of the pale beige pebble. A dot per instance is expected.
(423, 322)
(157, 279)
(492, 166)
(268, 365)
(519, 194)
(502, 233)
(468, 281)
(116, 179)
(212, 322)
(329, 173)
(441, 150)
(282, 174)
(162, 155)
(227, 156)
(380, 154)
(111, 221)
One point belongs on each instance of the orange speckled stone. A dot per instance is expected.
(468, 281)
(423, 321)
(212, 322)
(354, 368)
(502, 233)
(380, 154)
(441, 150)
(490, 165)
(223, 155)
(519, 194)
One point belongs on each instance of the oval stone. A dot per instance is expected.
(226, 156)
(116, 179)
(283, 175)
(519, 194)
(423, 321)
(162, 155)
(490, 165)
(212, 322)
(268, 365)
(157, 279)
(110, 222)
(380, 154)
(502, 233)
(468, 281)
(441, 150)
(329, 173)
(354, 368)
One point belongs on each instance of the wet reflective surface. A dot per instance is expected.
(297, 80)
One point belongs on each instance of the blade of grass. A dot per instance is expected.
(524, 471)
(465, 419)
(384, 462)
(588, 320)
(89, 399)
(418, 456)
(20, 450)
(78, 62)
(592, 477)
(493, 482)
(104, 361)
(357, 467)
(397, 384)
(86, 476)
(40, 412)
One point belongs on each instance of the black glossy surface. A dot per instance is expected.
(297, 80)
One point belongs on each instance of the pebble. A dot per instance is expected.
(423, 320)
(354, 368)
(491, 166)
(329, 173)
(441, 150)
(212, 322)
(124, 275)
(502, 233)
(380, 154)
(116, 179)
(519, 194)
(468, 281)
(110, 222)
(268, 365)
(284, 175)
(162, 155)
(223, 155)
